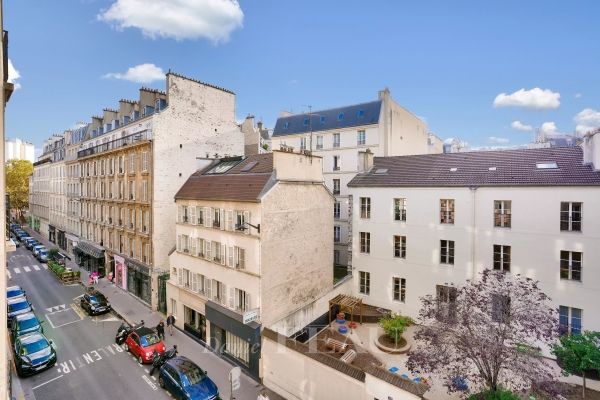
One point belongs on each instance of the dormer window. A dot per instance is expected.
(360, 113)
(286, 125)
(340, 116)
(306, 121)
(322, 119)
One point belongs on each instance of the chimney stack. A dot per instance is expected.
(591, 149)
(365, 160)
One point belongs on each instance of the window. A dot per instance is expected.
(336, 140)
(501, 257)
(336, 186)
(500, 308)
(336, 163)
(145, 161)
(400, 209)
(200, 215)
(360, 137)
(239, 258)
(364, 285)
(570, 265)
(216, 218)
(570, 216)
(218, 292)
(237, 347)
(446, 301)
(174, 306)
(217, 254)
(365, 242)
(340, 116)
(447, 211)
(319, 142)
(121, 164)
(399, 289)
(337, 234)
(400, 246)
(303, 143)
(144, 190)
(569, 320)
(365, 207)
(242, 300)
(502, 213)
(336, 210)
(132, 163)
(447, 252)
(131, 190)
(336, 257)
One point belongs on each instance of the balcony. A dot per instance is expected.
(216, 224)
(116, 144)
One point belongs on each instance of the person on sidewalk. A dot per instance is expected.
(95, 277)
(160, 329)
(170, 323)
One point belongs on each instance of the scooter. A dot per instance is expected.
(159, 359)
(124, 330)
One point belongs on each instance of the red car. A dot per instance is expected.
(142, 342)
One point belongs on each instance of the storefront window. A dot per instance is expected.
(195, 323)
(237, 347)
(138, 284)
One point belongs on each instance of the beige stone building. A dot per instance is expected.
(253, 247)
(130, 163)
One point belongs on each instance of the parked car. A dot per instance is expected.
(25, 324)
(22, 235)
(142, 343)
(35, 250)
(33, 353)
(14, 291)
(30, 243)
(42, 255)
(15, 240)
(95, 303)
(185, 380)
(17, 306)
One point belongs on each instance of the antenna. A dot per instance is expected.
(310, 125)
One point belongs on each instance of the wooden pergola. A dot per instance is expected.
(347, 304)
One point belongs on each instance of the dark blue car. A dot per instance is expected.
(186, 381)
(14, 291)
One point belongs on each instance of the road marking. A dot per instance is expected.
(17, 270)
(153, 377)
(149, 382)
(45, 266)
(8, 274)
(42, 384)
(36, 267)
(27, 269)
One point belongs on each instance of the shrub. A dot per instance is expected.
(394, 326)
(52, 253)
(500, 394)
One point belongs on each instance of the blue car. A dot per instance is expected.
(14, 291)
(17, 306)
(24, 324)
(33, 353)
(186, 381)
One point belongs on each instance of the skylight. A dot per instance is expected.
(222, 167)
(453, 169)
(546, 165)
(249, 166)
(381, 171)
(340, 116)
(491, 168)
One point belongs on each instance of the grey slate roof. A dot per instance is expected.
(513, 168)
(323, 120)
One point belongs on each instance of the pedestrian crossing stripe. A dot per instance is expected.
(45, 266)
(36, 267)
(17, 270)
(27, 269)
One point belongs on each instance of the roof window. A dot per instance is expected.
(322, 119)
(340, 116)
(286, 125)
(381, 171)
(491, 168)
(546, 165)
(222, 167)
(360, 113)
(249, 166)
(453, 169)
(306, 121)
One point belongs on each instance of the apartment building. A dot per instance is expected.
(382, 126)
(253, 247)
(423, 222)
(131, 161)
(39, 196)
(17, 149)
(73, 186)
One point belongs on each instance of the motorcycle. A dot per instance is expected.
(124, 330)
(159, 359)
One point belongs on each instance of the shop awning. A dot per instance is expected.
(71, 237)
(138, 266)
(91, 249)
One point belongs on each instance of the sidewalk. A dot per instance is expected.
(132, 310)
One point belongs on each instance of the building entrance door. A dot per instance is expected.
(162, 293)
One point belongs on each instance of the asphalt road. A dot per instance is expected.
(90, 365)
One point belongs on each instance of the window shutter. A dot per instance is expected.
(195, 282)
(214, 288)
(222, 219)
(192, 215)
(247, 219)
(232, 298)
(207, 217)
(208, 287)
(223, 259)
(193, 246)
(247, 301)
(231, 259)
(180, 276)
(207, 252)
(198, 212)
(178, 242)
(229, 225)
(179, 213)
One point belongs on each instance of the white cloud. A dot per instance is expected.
(143, 73)
(13, 75)
(535, 98)
(578, 95)
(549, 128)
(587, 120)
(518, 125)
(498, 140)
(177, 19)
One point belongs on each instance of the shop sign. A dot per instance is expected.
(251, 315)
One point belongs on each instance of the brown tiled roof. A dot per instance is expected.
(233, 185)
(512, 168)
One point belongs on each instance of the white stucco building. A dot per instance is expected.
(421, 222)
(16, 149)
(253, 236)
(338, 134)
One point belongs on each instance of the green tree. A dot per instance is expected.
(394, 326)
(17, 184)
(578, 353)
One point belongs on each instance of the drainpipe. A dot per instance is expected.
(473, 190)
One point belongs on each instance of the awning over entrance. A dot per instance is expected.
(138, 266)
(71, 237)
(91, 249)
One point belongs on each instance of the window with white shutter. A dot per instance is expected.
(193, 246)
(230, 257)
(192, 211)
(208, 287)
(200, 215)
(222, 219)
(247, 219)
(208, 217)
(180, 276)
(232, 297)
(195, 282)
(207, 250)
(145, 161)
(229, 222)
(223, 247)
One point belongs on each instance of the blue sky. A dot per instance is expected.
(445, 61)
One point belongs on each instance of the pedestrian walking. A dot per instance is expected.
(170, 323)
(95, 277)
(160, 329)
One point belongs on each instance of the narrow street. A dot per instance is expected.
(89, 364)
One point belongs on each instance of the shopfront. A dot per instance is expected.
(71, 243)
(52, 233)
(194, 323)
(90, 256)
(233, 339)
(61, 239)
(139, 282)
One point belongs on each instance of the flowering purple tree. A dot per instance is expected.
(486, 333)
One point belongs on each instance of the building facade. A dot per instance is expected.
(16, 149)
(424, 222)
(337, 135)
(130, 162)
(253, 246)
